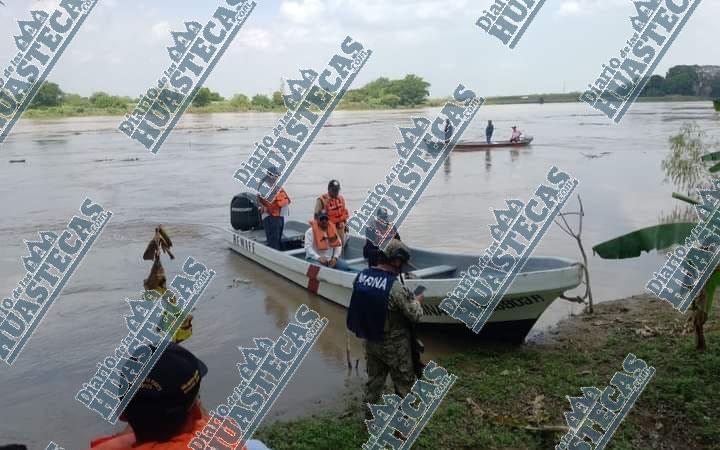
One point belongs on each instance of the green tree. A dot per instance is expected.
(355, 96)
(261, 101)
(412, 90)
(682, 80)
(277, 99)
(75, 100)
(49, 94)
(202, 98)
(240, 101)
(377, 88)
(390, 100)
(104, 100)
(216, 97)
(715, 87)
(655, 87)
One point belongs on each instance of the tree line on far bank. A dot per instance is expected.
(382, 93)
(699, 81)
(410, 91)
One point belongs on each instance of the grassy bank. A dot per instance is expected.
(502, 397)
(59, 112)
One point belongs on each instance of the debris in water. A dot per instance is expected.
(595, 155)
(17, 161)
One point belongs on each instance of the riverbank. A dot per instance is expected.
(504, 397)
(65, 111)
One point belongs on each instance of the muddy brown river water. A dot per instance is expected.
(188, 188)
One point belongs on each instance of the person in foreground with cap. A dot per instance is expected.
(334, 204)
(323, 244)
(375, 235)
(165, 412)
(382, 312)
(273, 212)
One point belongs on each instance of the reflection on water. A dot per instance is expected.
(188, 189)
(681, 212)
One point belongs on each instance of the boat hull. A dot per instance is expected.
(476, 146)
(528, 297)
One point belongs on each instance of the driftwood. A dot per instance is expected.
(565, 227)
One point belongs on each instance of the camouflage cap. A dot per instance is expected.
(397, 249)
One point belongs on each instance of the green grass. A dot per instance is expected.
(490, 404)
(57, 112)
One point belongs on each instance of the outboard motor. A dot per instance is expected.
(244, 212)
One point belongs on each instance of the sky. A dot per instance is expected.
(121, 48)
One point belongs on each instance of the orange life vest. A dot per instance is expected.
(281, 199)
(335, 207)
(126, 441)
(324, 239)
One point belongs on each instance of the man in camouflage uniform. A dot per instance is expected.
(382, 311)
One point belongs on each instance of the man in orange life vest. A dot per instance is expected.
(323, 244)
(334, 204)
(272, 212)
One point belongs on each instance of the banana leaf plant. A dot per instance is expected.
(686, 167)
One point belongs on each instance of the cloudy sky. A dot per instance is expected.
(121, 47)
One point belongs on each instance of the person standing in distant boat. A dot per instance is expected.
(515, 136)
(273, 212)
(448, 130)
(489, 130)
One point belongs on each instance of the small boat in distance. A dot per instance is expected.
(467, 146)
(542, 280)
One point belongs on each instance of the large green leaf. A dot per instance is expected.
(711, 157)
(657, 237)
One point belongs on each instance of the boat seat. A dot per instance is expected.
(432, 271)
(292, 235)
(354, 261)
(295, 252)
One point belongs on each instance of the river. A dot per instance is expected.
(188, 187)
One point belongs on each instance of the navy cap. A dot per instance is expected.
(173, 383)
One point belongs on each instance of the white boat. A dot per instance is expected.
(542, 280)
